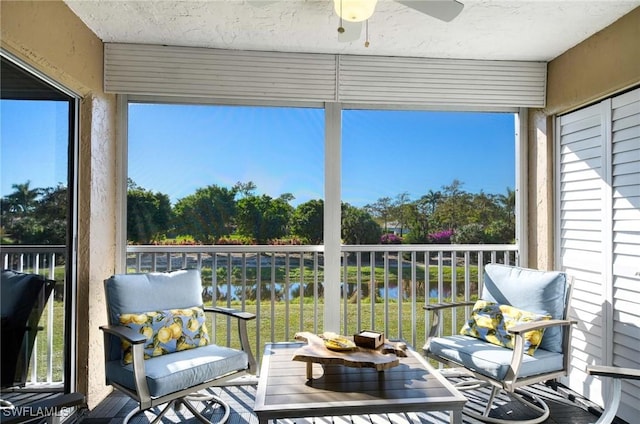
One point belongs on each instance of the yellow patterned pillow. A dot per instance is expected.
(491, 321)
(166, 331)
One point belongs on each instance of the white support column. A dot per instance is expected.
(332, 216)
(522, 183)
(122, 130)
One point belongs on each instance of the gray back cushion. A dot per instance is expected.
(146, 292)
(542, 292)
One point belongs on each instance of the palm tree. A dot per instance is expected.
(433, 198)
(508, 203)
(23, 199)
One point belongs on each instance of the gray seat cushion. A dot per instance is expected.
(491, 360)
(173, 372)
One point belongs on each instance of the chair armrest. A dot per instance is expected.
(518, 349)
(137, 341)
(536, 325)
(125, 333)
(247, 316)
(243, 318)
(614, 372)
(446, 305)
(436, 308)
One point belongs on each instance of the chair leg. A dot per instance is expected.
(158, 417)
(614, 401)
(538, 405)
(202, 418)
(178, 403)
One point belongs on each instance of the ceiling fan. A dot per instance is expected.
(353, 13)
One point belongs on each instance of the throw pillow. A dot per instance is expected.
(167, 331)
(491, 321)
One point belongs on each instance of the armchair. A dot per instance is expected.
(518, 335)
(157, 348)
(23, 297)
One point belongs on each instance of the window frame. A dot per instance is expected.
(332, 175)
(71, 273)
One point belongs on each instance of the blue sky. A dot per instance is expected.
(176, 149)
(33, 150)
(281, 150)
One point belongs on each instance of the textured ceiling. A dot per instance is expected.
(486, 29)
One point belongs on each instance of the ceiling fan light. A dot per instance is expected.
(355, 10)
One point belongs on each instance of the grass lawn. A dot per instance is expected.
(301, 318)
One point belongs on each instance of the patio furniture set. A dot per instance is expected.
(158, 351)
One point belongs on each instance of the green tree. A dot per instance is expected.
(307, 221)
(431, 201)
(52, 213)
(508, 203)
(263, 218)
(23, 199)
(358, 226)
(469, 234)
(207, 214)
(418, 222)
(455, 208)
(401, 210)
(382, 210)
(34, 215)
(499, 232)
(26, 230)
(245, 189)
(149, 214)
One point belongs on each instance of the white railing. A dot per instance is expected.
(47, 359)
(284, 285)
(386, 287)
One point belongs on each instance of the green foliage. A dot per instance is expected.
(307, 221)
(207, 214)
(213, 214)
(262, 217)
(382, 210)
(148, 215)
(469, 234)
(35, 216)
(499, 232)
(358, 226)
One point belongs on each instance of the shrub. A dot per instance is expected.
(441, 237)
(470, 234)
(287, 241)
(235, 241)
(390, 238)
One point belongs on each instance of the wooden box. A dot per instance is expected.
(369, 339)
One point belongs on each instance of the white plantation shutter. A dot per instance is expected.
(626, 243)
(598, 239)
(581, 227)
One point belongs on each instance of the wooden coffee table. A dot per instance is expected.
(413, 386)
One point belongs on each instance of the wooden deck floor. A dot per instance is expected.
(241, 399)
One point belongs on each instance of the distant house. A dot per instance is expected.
(394, 227)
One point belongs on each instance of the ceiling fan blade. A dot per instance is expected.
(445, 10)
(352, 31)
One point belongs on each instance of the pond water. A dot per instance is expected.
(294, 291)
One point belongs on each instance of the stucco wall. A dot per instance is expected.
(603, 64)
(49, 37)
(540, 194)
